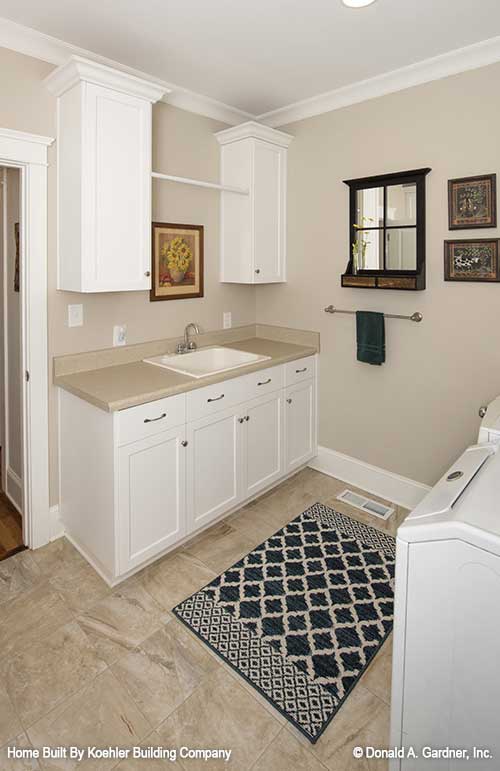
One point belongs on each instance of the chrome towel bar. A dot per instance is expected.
(417, 316)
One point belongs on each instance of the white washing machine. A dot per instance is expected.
(446, 670)
(490, 425)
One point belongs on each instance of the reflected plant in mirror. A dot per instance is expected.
(360, 246)
(387, 231)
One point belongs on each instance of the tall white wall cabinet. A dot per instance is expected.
(104, 177)
(253, 227)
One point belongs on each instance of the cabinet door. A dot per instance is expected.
(300, 424)
(263, 461)
(152, 496)
(116, 197)
(214, 465)
(269, 212)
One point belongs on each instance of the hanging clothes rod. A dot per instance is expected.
(414, 316)
(200, 183)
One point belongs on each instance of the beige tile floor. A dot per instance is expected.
(82, 664)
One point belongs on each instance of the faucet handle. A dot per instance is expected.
(192, 346)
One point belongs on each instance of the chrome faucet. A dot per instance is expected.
(187, 344)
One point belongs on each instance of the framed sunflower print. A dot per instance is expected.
(177, 261)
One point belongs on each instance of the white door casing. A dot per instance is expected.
(28, 152)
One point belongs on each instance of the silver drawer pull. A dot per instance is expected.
(153, 420)
(265, 382)
(216, 399)
(298, 371)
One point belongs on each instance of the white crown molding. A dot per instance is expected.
(30, 42)
(78, 69)
(205, 105)
(253, 130)
(377, 481)
(40, 46)
(462, 59)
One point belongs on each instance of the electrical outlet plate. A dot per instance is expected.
(120, 334)
(75, 315)
(227, 321)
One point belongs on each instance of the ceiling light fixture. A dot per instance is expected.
(357, 3)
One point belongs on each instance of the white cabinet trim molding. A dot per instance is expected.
(77, 68)
(253, 130)
(28, 152)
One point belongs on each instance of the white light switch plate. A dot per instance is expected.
(227, 321)
(75, 315)
(120, 334)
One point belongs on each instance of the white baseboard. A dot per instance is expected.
(56, 526)
(14, 489)
(385, 484)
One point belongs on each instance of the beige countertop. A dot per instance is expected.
(127, 385)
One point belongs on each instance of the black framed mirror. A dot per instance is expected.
(387, 231)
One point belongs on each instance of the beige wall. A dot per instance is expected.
(418, 411)
(183, 144)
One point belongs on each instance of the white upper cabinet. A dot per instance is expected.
(253, 226)
(104, 177)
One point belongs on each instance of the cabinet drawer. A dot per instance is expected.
(211, 399)
(151, 418)
(302, 369)
(265, 381)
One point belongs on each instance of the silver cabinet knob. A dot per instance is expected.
(482, 411)
(184, 443)
(147, 273)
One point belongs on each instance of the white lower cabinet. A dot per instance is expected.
(300, 424)
(263, 461)
(156, 473)
(214, 466)
(151, 497)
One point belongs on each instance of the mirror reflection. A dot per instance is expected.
(370, 207)
(401, 249)
(401, 205)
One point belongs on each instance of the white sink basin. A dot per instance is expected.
(206, 361)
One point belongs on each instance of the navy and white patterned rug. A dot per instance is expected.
(302, 615)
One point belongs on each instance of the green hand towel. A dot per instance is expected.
(370, 337)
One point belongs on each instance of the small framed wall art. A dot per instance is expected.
(472, 202)
(177, 261)
(471, 260)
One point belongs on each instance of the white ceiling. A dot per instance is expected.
(260, 55)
